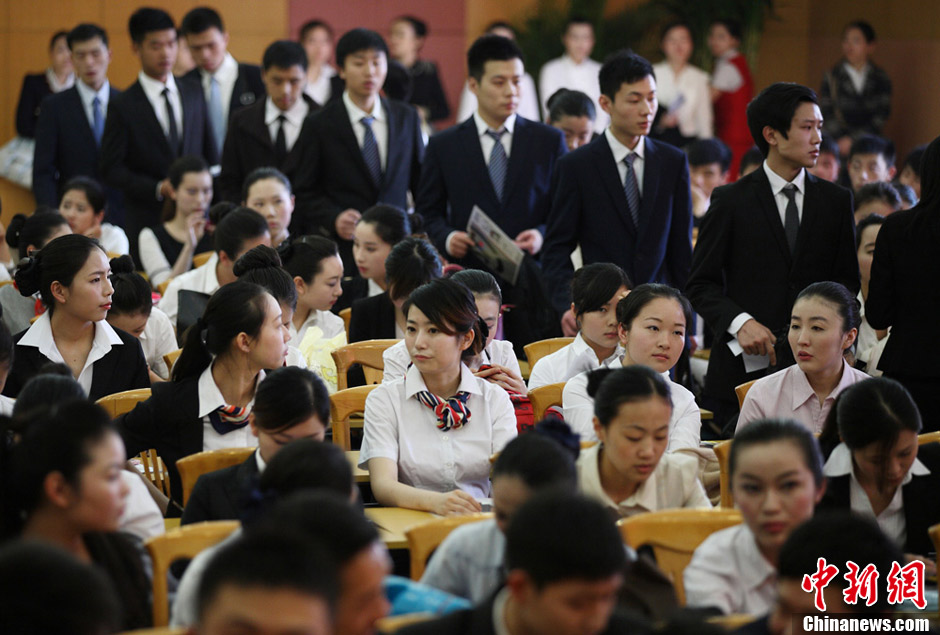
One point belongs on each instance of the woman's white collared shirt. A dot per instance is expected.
(685, 424)
(567, 362)
(397, 359)
(157, 340)
(400, 428)
(210, 399)
(39, 335)
(331, 325)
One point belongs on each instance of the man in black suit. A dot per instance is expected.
(764, 239)
(227, 85)
(152, 123)
(71, 123)
(265, 134)
(623, 197)
(508, 178)
(357, 151)
(564, 561)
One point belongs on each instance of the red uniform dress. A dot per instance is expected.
(731, 115)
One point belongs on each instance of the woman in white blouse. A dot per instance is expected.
(315, 265)
(428, 437)
(83, 207)
(684, 98)
(629, 471)
(595, 290)
(651, 322)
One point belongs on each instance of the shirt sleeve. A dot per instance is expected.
(152, 258)
(727, 77)
(751, 409)
(579, 407)
(504, 418)
(707, 579)
(394, 368)
(448, 566)
(160, 330)
(686, 431)
(380, 427)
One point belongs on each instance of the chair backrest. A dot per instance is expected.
(202, 258)
(544, 397)
(163, 285)
(195, 465)
(423, 539)
(723, 452)
(184, 542)
(346, 314)
(674, 535)
(928, 437)
(741, 391)
(155, 470)
(537, 350)
(343, 405)
(367, 353)
(170, 359)
(121, 402)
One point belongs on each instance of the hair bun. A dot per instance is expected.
(122, 264)
(27, 275)
(416, 221)
(595, 378)
(14, 229)
(260, 257)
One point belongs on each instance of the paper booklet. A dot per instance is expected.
(494, 247)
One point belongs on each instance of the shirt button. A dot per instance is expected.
(444, 438)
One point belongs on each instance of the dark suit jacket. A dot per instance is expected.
(742, 264)
(455, 178)
(332, 175)
(123, 368)
(35, 89)
(589, 207)
(919, 496)
(353, 289)
(136, 154)
(220, 495)
(372, 319)
(65, 147)
(248, 146)
(249, 87)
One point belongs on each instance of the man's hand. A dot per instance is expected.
(346, 223)
(458, 244)
(529, 240)
(757, 339)
(569, 324)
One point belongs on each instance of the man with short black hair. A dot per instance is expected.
(871, 160)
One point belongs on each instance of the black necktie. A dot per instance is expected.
(174, 135)
(791, 223)
(280, 142)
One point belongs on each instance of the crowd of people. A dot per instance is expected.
(234, 211)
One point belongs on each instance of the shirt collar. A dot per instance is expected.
(584, 352)
(88, 94)
(260, 461)
(295, 114)
(482, 127)
(210, 397)
(499, 612)
(755, 570)
(567, 59)
(356, 113)
(227, 71)
(414, 382)
(374, 288)
(840, 464)
(154, 88)
(621, 151)
(39, 335)
(803, 392)
(777, 182)
(644, 496)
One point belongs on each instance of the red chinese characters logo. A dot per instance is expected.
(818, 581)
(907, 583)
(904, 583)
(862, 585)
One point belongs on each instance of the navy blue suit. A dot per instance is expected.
(65, 148)
(589, 207)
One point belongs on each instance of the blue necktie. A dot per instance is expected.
(215, 113)
(97, 127)
(498, 162)
(632, 190)
(370, 151)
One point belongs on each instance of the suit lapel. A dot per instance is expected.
(259, 129)
(519, 156)
(650, 185)
(149, 119)
(768, 207)
(610, 177)
(477, 164)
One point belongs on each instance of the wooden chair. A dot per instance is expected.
(425, 538)
(674, 535)
(368, 354)
(723, 452)
(170, 358)
(346, 314)
(537, 350)
(394, 623)
(343, 405)
(202, 258)
(195, 465)
(121, 402)
(184, 542)
(928, 437)
(163, 285)
(6, 282)
(155, 470)
(741, 391)
(544, 397)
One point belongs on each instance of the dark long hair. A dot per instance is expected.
(451, 308)
(59, 261)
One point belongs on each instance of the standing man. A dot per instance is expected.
(575, 70)
(764, 239)
(623, 197)
(71, 123)
(227, 85)
(152, 123)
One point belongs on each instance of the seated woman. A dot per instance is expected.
(428, 437)
(380, 228)
(651, 325)
(411, 263)
(823, 326)
(595, 291)
(27, 234)
(83, 206)
(497, 360)
(870, 342)
(206, 404)
(62, 485)
(629, 471)
(167, 250)
(275, 421)
(268, 192)
(71, 274)
(875, 466)
(776, 480)
(315, 265)
(133, 312)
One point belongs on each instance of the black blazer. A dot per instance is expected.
(589, 207)
(372, 319)
(742, 263)
(136, 154)
(220, 495)
(455, 178)
(249, 87)
(248, 146)
(65, 147)
(123, 368)
(35, 89)
(353, 289)
(921, 503)
(332, 175)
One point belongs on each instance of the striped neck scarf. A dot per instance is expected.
(451, 413)
(227, 419)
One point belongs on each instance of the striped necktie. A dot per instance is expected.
(370, 151)
(451, 413)
(498, 162)
(632, 190)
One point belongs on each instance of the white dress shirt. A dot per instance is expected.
(726, 77)
(39, 335)
(293, 120)
(379, 125)
(157, 340)
(153, 89)
(331, 325)
(487, 142)
(563, 72)
(142, 517)
(621, 152)
(857, 77)
(321, 90)
(226, 74)
(87, 95)
(202, 279)
(469, 563)
(528, 101)
(685, 423)
(113, 239)
(567, 362)
(400, 428)
(691, 86)
(210, 399)
(397, 359)
(673, 484)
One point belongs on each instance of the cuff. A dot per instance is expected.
(738, 322)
